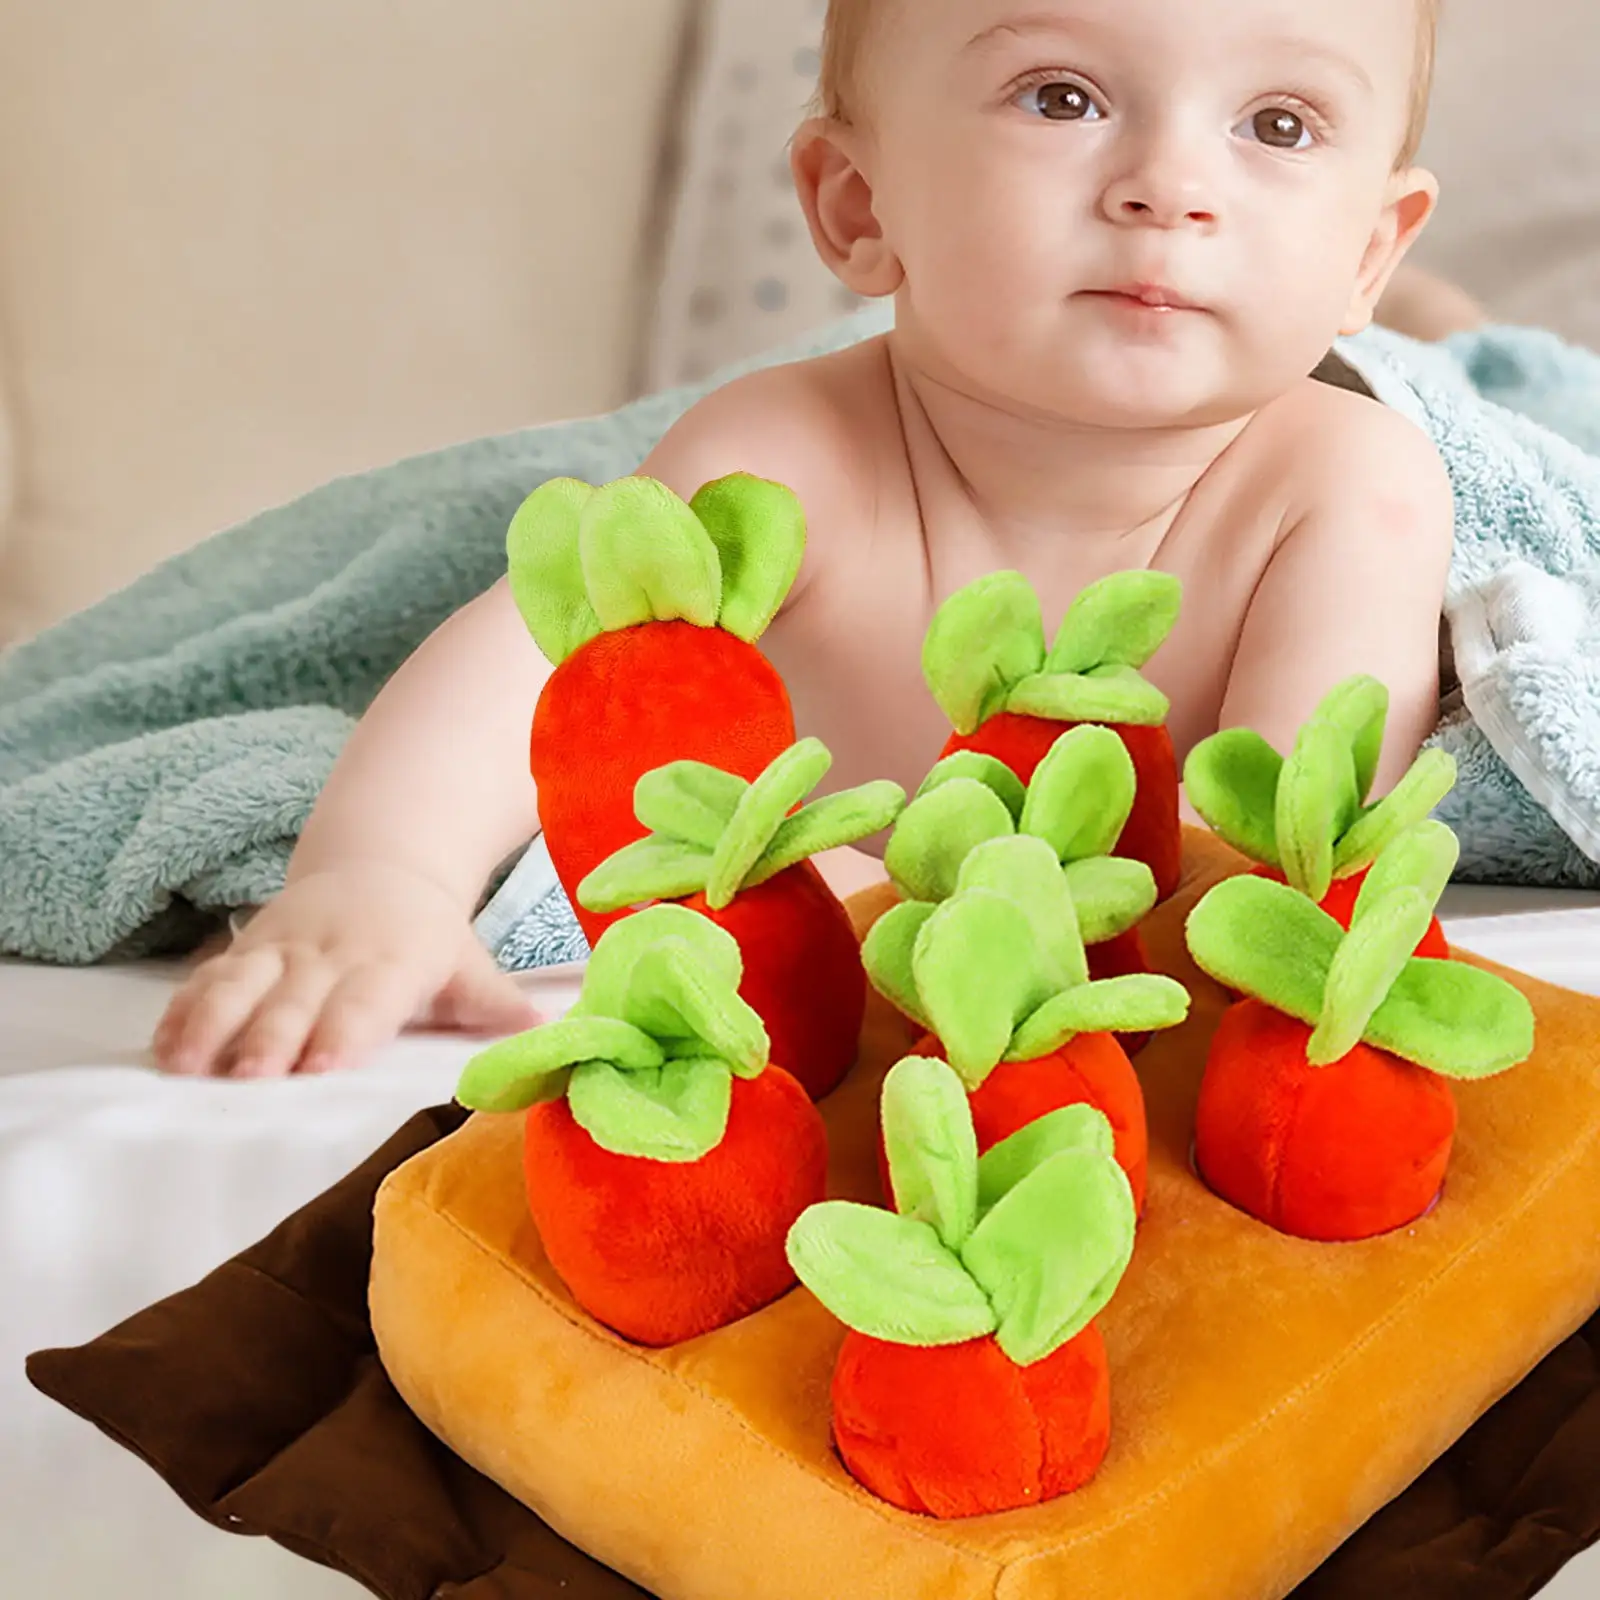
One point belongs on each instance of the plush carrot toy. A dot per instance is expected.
(1078, 801)
(665, 1159)
(649, 609)
(998, 975)
(985, 660)
(973, 1378)
(1305, 819)
(739, 853)
(1324, 1109)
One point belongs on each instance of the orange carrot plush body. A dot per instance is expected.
(997, 972)
(738, 853)
(1305, 818)
(665, 1159)
(973, 1378)
(649, 609)
(985, 661)
(1324, 1110)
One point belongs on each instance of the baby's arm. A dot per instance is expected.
(1356, 585)
(372, 929)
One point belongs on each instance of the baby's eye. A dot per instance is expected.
(1279, 128)
(1059, 101)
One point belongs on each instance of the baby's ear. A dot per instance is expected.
(1412, 195)
(828, 160)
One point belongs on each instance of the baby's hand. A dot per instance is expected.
(331, 969)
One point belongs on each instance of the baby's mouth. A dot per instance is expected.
(1148, 296)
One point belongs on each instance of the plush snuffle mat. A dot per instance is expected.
(1097, 1209)
(1268, 1393)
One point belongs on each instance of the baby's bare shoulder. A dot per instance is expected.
(1343, 452)
(816, 426)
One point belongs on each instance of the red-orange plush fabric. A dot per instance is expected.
(628, 702)
(1346, 1151)
(663, 1251)
(1340, 904)
(1091, 1069)
(1153, 833)
(1119, 958)
(961, 1430)
(802, 972)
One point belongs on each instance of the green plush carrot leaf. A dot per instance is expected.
(887, 1276)
(992, 774)
(647, 557)
(836, 819)
(932, 1149)
(675, 1112)
(1120, 621)
(1106, 694)
(759, 531)
(979, 973)
(1025, 872)
(1359, 708)
(689, 801)
(1003, 1166)
(888, 953)
(671, 995)
(1422, 857)
(764, 805)
(648, 869)
(610, 968)
(533, 1067)
(544, 569)
(1364, 968)
(1051, 1252)
(1456, 1020)
(1231, 779)
(1266, 940)
(936, 833)
(1316, 802)
(982, 641)
(1138, 1002)
(1111, 894)
(1431, 777)
(1081, 794)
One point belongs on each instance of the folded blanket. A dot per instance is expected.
(1515, 412)
(160, 751)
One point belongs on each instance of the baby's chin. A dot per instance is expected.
(1136, 389)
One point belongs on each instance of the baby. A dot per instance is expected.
(1119, 234)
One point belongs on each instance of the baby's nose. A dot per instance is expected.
(1165, 193)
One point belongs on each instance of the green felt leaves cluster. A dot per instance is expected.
(713, 833)
(1308, 814)
(647, 1057)
(1268, 940)
(1077, 803)
(997, 970)
(985, 653)
(1027, 1243)
(585, 560)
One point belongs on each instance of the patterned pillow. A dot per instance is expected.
(740, 273)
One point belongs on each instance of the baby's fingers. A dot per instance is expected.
(270, 1044)
(367, 1008)
(205, 1015)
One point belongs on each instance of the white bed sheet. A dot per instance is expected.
(118, 1186)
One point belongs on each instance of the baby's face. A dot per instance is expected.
(1134, 211)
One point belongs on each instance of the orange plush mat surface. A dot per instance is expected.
(1268, 1395)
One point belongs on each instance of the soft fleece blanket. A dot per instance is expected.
(160, 751)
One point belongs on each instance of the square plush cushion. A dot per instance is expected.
(1268, 1395)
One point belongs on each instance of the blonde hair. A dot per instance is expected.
(849, 22)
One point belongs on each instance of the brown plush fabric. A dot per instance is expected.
(257, 1395)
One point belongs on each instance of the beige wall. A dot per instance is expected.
(246, 245)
